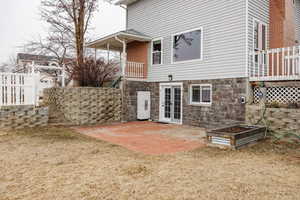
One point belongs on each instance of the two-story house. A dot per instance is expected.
(198, 57)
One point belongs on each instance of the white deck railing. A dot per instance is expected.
(275, 64)
(135, 70)
(17, 89)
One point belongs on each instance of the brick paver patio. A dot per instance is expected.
(148, 137)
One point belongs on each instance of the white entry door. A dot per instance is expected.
(171, 103)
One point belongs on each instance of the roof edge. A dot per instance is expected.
(120, 33)
(125, 2)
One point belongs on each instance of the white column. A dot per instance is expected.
(32, 67)
(298, 60)
(124, 58)
(108, 52)
(36, 87)
(63, 84)
(123, 55)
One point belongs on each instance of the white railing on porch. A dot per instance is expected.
(275, 64)
(17, 89)
(135, 70)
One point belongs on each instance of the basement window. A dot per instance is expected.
(201, 94)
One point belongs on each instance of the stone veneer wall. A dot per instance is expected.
(130, 99)
(17, 117)
(279, 119)
(83, 105)
(226, 107)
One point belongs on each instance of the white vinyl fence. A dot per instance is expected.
(26, 89)
(18, 89)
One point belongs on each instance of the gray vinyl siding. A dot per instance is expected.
(259, 10)
(224, 31)
(297, 17)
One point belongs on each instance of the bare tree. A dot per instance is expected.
(57, 44)
(3, 67)
(10, 65)
(69, 18)
(69, 22)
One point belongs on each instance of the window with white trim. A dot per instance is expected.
(157, 53)
(187, 46)
(200, 94)
(260, 36)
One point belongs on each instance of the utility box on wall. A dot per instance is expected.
(143, 105)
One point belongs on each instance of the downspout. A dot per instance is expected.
(123, 55)
(123, 79)
(108, 52)
(123, 65)
(126, 25)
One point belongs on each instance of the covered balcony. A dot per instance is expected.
(133, 48)
(281, 64)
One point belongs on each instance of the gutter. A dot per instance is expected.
(125, 2)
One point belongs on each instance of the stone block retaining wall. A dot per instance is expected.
(17, 117)
(83, 106)
(279, 119)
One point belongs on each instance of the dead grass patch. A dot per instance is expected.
(56, 163)
(137, 171)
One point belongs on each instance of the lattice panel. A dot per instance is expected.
(282, 95)
(256, 95)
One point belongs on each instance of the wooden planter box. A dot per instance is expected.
(236, 136)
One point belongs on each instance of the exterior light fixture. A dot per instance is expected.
(170, 77)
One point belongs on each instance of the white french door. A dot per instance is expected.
(171, 103)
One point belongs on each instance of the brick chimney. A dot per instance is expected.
(282, 24)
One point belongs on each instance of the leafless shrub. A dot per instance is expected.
(94, 73)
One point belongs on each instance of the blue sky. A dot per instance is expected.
(20, 22)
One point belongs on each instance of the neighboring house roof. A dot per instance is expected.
(39, 59)
(128, 35)
(125, 2)
(32, 57)
(24, 58)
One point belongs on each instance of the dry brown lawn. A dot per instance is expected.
(55, 163)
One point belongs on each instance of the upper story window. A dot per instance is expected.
(157, 53)
(201, 94)
(187, 46)
(260, 36)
